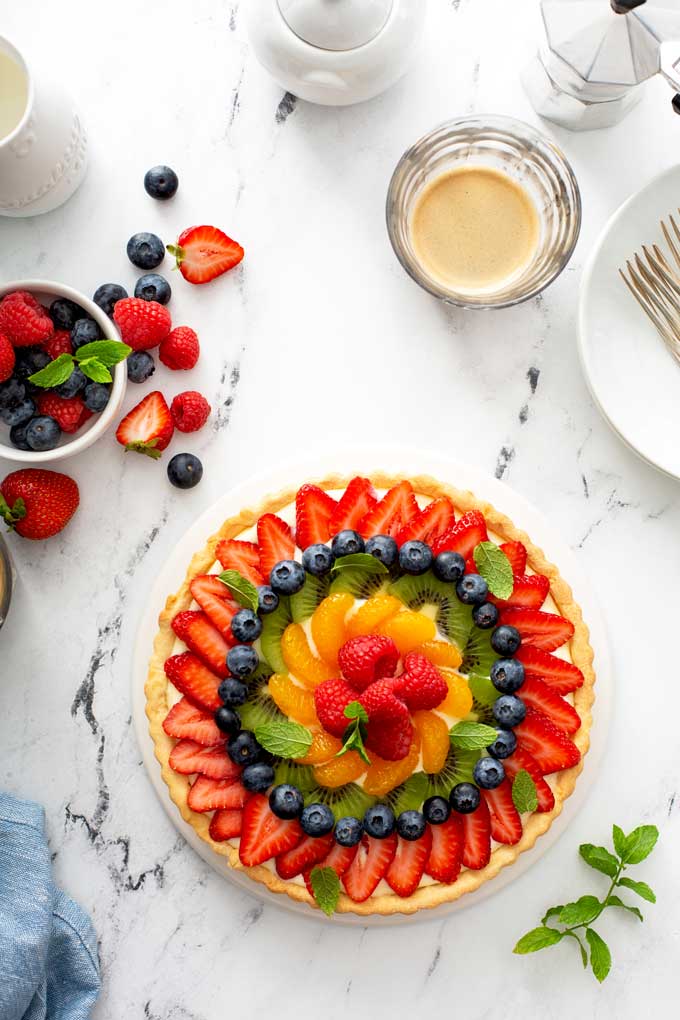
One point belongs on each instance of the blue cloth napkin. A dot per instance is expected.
(49, 969)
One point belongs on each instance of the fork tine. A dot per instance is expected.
(662, 279)
(649, 292)
(669, 240)
(655, 285)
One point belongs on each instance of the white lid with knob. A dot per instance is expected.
(336, 25)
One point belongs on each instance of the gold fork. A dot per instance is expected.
(655, 285)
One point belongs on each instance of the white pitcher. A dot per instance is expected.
(43, 145)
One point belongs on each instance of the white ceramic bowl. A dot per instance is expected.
(46, 291)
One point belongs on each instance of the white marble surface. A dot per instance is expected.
(321, 331)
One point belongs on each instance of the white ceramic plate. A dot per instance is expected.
(364, 461)
(633, 379)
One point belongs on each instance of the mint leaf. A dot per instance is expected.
(599, 858)
(243, 590)
(94, 370)
(524, 795)
(552, 912)
(355, 710)
(107, 352)
(583, 911)
(619, 840)
(616, 901)
(54, 374)
(584, 955)
(641, 888)
(639, 844)
(600, 957)
(537, 938)
(284, 739)
(495, 568)
(369, 564)
(355, 732)
(472, 736)
(326, 887)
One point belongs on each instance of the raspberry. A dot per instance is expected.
(389, 732)
(69, 414)
(142, 324)
(189, 410)
(23, 320)
(58, 344)
(331, 698)
(421, 685)
(180, 349)
(368, 658)
(7, 358)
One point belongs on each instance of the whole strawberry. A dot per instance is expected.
(190, 411)
(37, 503)
(7, 358)
(142, 324)
(23, 320)
(180, 349)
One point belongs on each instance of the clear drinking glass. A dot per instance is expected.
(5, 581)
(528, 158)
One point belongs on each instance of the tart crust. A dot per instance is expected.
(426, 896)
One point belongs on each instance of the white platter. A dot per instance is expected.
(364, 461)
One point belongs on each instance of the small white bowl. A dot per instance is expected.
(46, 291)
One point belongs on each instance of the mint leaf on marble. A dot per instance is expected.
(240, 588)
(599, 858)
(284, 739)
(472, 736)
(494, 566)
(641, 888)
(639, 844)
(600, 957)
(326, 887)
(524, 795)
(538, 938)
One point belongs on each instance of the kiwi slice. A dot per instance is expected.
(457, 769)
(260, 708)
(311, 595)
(410, 795)
(358, 583)
(454, 619)
(349, 799)
(483, 696)
(298, 775)
(479, 656)
(273, 626)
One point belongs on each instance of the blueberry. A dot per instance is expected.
(232, 692)
(509, 710)
(257, 778)
(472, 590)
(504, 745)
(436, 810)
(29, 360)
(161, 182)
(348, 831)
(449, 566)
(415, 557)
(42, 433)
(76, 382)
(246, 626)
(145, 250)
(317, 559)
(17, 437)
(379, 821)
(184, 470)
(506, 640)
(12, 392)
(65, 313)
(464, 798)
(96, 396)
(107, 295)
(18, 413)
(242, 661)
(85, 331)
(317, 820)
(347, 542)
(488, 773)
(286, 801)
(507, 675)
(243, 749)
(485, 616)
(384, 548)
(227, 720)
(287, 577)
(411, 825)
(140, 366)
(153, 287)
(267, 599)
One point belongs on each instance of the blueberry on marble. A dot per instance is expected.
(464, 798)
(85, 331)
(347, 543)
(436, 810)
(267, 600)
(449, 566)
(504, 745)
(145, 250)
(348, 831)
(242, 661)
(64, 313)
(243, 748)
(488, 773)
(379, 821)
(258, 777)
(485, 616)
(287, 577)
(317, 820)
(153, 287)
(227, 720)
(107, 295)
(286, 801)
(76, 382)
(509, 710)
(472, 589)
(140, 366)
(507, 675)
(161, 182)
(184, 470)
(232, 692)
(384, 548)
(42, 433)
(317, 559)
(411, 825)
(246, 626)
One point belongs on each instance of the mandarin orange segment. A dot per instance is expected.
(324, 746)
(383, 776)
(372, 614)
(295, 702)
(458, 701)
(440, 653)
(328, 626)
(434, 740)
(300, 660)
(409, 629)
(339, 771)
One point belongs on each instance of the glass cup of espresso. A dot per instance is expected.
(483, 212)
(5, 581)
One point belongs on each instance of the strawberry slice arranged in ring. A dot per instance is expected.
(358, 499)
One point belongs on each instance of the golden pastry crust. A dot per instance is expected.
(426, 896)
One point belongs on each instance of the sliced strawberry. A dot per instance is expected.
(408, 864)
(446, 855)
(506, 824)
(194, 680)
(313, 511)
(185, 720)
(463, 536)
(540, 630)
(204, 252)
(521, 759)
(263, 835)
(561, 675)
(429, 523)
(148, 427)
(214, 599)
(477, 838)
(370, 864)
(517, 554)
(226, 824)
(188, 757)
(359, 497)
(339, 859)
(538, 695)
(201, 638)
(529, 591)
(306, 854)
(552, 749)
(275, 540)
(394, 511)
(241, 556)
(210, 794)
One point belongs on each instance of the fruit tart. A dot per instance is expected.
(371, 694)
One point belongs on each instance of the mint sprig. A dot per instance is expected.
(355, 734)
(576, 919)
(472, 736)
(284, 739)
(240, 588)
(524, 795)
(94, 360)
(326, 888)
(494, 566)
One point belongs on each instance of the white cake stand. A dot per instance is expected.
(364, 461)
